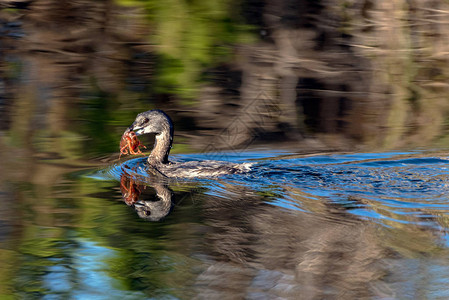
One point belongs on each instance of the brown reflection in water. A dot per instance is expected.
(259, 250)
(70, 57)
(263, 250)
(362, 73)
(254, 249)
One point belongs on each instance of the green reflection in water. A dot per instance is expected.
(191, 36)
(80, 241)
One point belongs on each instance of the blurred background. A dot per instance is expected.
(326, 74)
(307, 75)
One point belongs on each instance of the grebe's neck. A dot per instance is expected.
(162, 146)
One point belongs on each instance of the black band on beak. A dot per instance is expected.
(130, 128)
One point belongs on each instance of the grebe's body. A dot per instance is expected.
(159, 123)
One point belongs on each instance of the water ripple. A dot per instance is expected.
(385, 187)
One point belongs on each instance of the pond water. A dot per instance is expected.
(342, 225)
(312, 94)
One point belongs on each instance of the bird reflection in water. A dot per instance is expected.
(151, 208)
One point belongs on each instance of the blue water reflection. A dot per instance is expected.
(87, 276)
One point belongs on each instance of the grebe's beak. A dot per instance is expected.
(138, 131)
(136, 128)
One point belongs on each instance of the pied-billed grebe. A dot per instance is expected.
(159, 123)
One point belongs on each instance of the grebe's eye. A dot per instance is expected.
(145, 121)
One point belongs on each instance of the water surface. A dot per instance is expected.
(362, 225)
(75, 223)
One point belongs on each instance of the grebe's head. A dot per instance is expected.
(152, 121)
